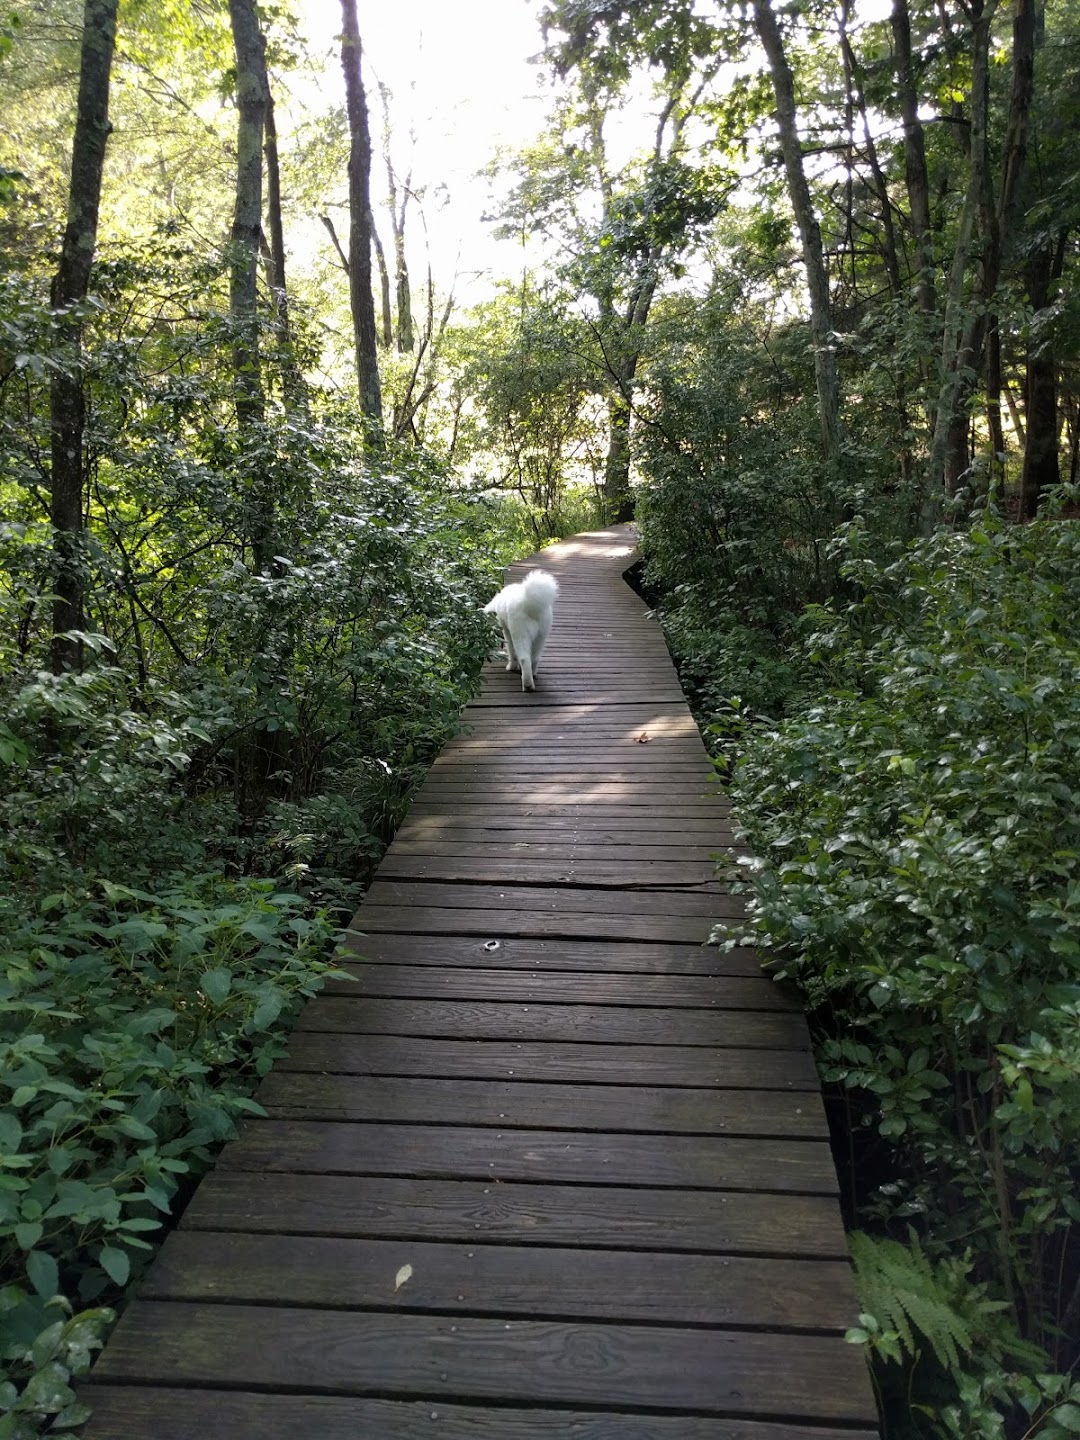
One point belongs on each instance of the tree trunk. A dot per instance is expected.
(618, 501)
(251, 99)
(292, 378)
(960, 333)
(67, 403)
(853, 74)
(384, 289)
(995, 222)
(361, 298)
(1041, 465)
(915, 173)
(828, 388)
(406, 330)
(993, 394)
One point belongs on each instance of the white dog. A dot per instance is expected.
(524, 612)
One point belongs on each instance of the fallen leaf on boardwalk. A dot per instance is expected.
(402, 1275)
(643, 738)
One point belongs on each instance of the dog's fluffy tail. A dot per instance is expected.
(536, 591)
(540, 587)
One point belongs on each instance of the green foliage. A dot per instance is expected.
(131, 1025)
(528, 429)
(918, 839)
(185, 822)
(43, 1337)
(909, 1301)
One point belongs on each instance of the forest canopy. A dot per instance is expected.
(792, 286)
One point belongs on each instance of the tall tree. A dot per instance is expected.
(294, 382)
(361, 298)
(246, 236)
(960, 328)
(398, 205)
(251, 99)
(817, 280)
(69, 288)
(915, 172)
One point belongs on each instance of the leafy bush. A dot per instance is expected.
(918, 829)
(130, 1025)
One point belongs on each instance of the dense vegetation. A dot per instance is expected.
(800, 286)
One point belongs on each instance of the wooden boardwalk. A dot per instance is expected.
(551, 1168)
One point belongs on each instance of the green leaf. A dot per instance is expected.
(11, 1131)
(43, 1273)
(28, 1235)
(128, 1125)
(216, 984)
(116, 1264)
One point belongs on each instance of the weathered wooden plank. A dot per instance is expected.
(584, 834)
(431, 920)
(564, 869)
(558, 987)
(572, 848)
(578, 1284)
(342, 1352)
(668, 792)
(537, 1105)
(607, 956)
(596, 1024)
(565, 764)
(700, 1162)
(480, 1211)
(686, 1066)
(130, 1412)
(709, 903)
(627, 753)
(689, 816)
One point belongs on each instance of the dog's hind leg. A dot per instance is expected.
(522, 637)
(539, 640)
(511, 654)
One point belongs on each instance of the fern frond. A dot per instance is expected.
(900, 1286)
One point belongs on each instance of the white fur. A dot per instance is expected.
(524, 612)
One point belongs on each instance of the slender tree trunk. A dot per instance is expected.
(292, 378)
(915, 172)
(384, 288)
(361, 298)
(993, 392)
(958, 339)
(67, 403)
(406, 330)
(406, 334)
(246, 238)
(891, 250)
(828, 387)
(1041, 464)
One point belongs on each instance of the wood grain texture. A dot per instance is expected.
(697, 1162)
(599, 1024)
(535, 1105)
(595, 987)
(606, 956)
(633, 1065)
(139, 1413)
(475, 1359)
(332, 1273)
(483, 1212)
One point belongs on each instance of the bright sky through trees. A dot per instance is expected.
(463, 85)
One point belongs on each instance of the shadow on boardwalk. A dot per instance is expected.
(552, 1168)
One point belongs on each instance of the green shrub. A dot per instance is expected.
(918, 832)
